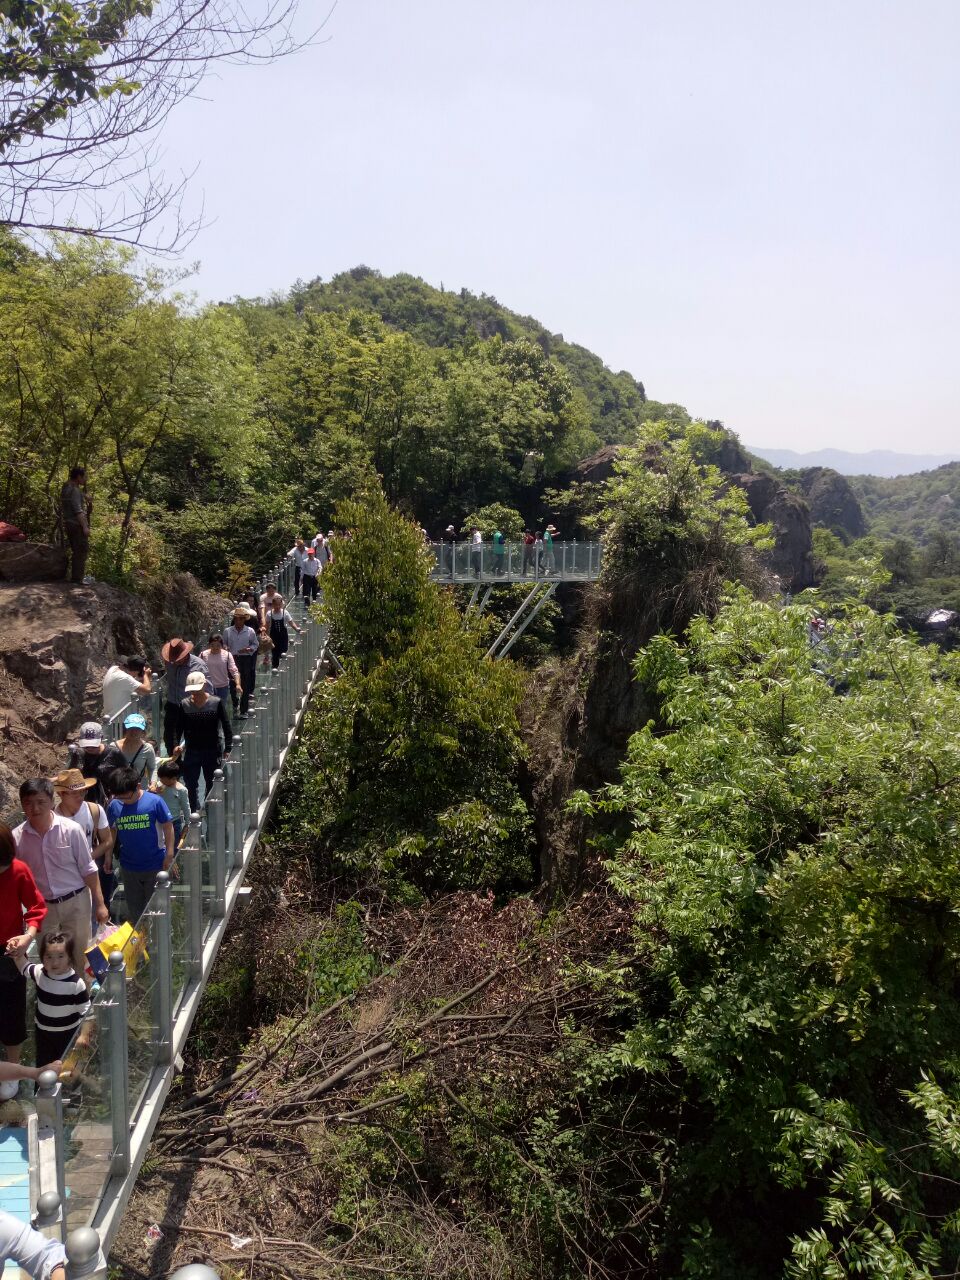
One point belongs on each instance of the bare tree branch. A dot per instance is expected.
(85, 92)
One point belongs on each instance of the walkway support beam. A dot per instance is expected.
(527, 620)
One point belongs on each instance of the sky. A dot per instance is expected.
(751, 206)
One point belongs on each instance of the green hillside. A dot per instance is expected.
(440, 318)
(918, 507)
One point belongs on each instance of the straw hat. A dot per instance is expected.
(72, 780)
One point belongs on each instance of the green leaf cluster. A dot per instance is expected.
(408, 758)
(787, 828)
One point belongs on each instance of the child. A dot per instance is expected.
(174, 794)
(62, 998)
(265, 650)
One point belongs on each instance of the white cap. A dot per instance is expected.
(196, 681)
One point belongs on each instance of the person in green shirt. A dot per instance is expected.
(499, 553)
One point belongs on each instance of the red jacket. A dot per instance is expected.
(21, 903)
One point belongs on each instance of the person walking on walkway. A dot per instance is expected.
(549, 559)
(476, 552)
(204, 717)
(22, 911)
(71, 788)
(63, 1000)
(222, 669)
(527, 552)
(88, 755)
(299, 553)
(449, 541)
(131, 750)
(499, 553)
(144, 835)
(75, 511)
(55, 849)
(311, 575)
(241, 639)
(179, 661)
(278, 620)
(175, 795)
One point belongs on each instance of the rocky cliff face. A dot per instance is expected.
(772, 503)
(832, 502)
(56, 642)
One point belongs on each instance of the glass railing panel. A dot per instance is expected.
(143, 977)
(179, 941)
(88, 1130)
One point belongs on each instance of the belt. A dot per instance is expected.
(66, 897)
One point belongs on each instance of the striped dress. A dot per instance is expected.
(62, 1004)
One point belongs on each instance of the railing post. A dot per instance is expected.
(163, 958)
(85, 1259)
(217, 841)
(113, 1029)
(49, 1104)
(266, 727)
(193, 871)
(251, 784)
(232, 775)
(49, 1212)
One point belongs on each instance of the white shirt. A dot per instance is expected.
(32, 1251)
(299, 555)
(311, 567)
(84, 819)
(282, 616)
(119, 688)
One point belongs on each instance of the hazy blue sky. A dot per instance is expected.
(753, 207)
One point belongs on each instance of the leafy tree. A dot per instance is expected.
(790, 851)
(495, 516)
(103, 366)
(408, 758)
(84, 88)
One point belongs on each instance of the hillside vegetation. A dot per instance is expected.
(640, 964)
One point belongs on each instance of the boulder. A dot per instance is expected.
(772, 503)
(833, 503)
(32, 562)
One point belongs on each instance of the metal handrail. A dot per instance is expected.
(211, 864)
(473, 562)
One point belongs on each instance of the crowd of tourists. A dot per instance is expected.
(537, 554)
(121, 809)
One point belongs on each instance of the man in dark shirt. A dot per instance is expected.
(179, 662)
(203, 718)
(76, 522)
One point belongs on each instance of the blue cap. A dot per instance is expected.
(135, 721)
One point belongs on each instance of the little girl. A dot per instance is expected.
(265, 649)
(169, 787)
(62, 997)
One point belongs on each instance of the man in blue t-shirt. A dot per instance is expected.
(144, 833)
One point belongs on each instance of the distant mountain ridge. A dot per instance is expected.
(877, 462)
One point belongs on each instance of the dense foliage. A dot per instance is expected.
(407, 761)
(918, 507)
(212, 435)
(791, 824)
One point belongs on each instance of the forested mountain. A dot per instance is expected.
(918, 507)
(439, 318)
